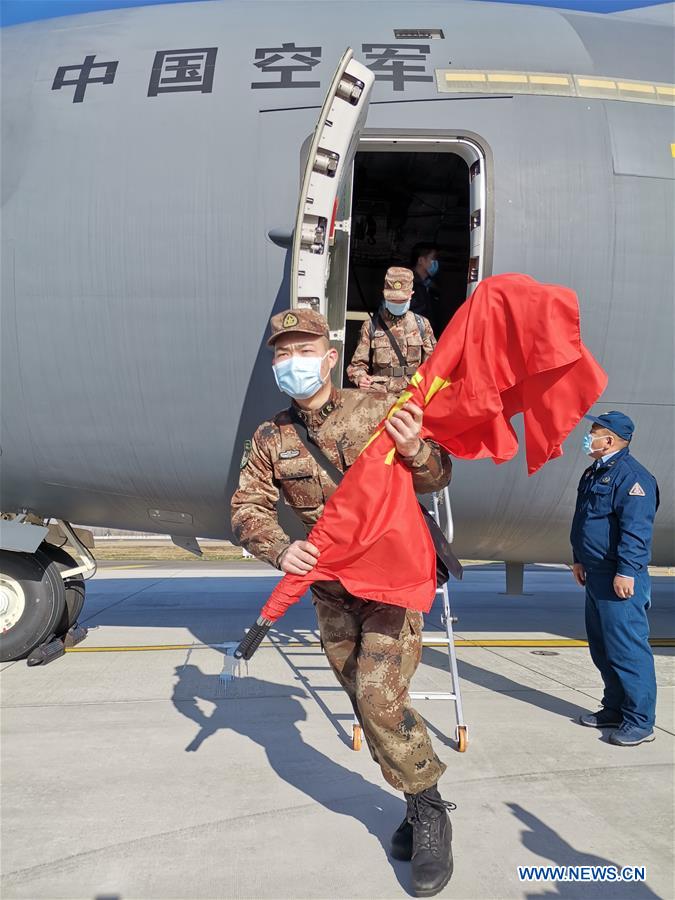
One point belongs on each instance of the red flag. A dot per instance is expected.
(513, 347)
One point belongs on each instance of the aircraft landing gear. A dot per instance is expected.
(41, 598)
(74, 586)
(32, 602)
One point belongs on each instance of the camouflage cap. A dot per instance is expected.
(398, 284)
(304, 320)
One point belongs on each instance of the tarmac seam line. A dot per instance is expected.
(66, 862)
(18, 875)
(557, 681)
(146, 700)
(547, 773)
(109, 702)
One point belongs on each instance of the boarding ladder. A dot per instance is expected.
(441, 499)
(308, 648)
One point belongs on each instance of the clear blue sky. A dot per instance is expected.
(15, 11)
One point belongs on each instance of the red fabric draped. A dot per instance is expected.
(513, 347)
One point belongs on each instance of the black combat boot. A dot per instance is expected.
(402, 841)
(432, 837)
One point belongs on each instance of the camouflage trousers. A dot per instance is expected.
(374, 650)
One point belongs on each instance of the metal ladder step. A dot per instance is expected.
(448, 619)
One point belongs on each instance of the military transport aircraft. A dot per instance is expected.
(165, 190)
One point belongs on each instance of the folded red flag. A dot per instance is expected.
(513, 347)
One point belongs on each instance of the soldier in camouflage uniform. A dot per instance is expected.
(373, 648)
(375, 362)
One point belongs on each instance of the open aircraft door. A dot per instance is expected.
(321, 236)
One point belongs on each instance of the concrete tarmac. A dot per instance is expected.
(141, 773)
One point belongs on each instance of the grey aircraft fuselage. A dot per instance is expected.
(138, 276)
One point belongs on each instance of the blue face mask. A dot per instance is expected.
(397, 309)
(299, 377)
(433, 267)
(588, 443)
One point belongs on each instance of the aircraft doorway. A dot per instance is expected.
(402, 195)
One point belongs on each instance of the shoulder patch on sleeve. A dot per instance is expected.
(246, 455)
(636, 490)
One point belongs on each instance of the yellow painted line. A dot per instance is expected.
(597, 83)
(562, 84)
(507, 78)
(465, 76)
(633, 86)
(672, 150)
(520, 642)
(549, 79)
(140, 648)
(536, 642)
(459, 642)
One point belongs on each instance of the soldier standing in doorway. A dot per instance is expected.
(425, 299)
(395, 342)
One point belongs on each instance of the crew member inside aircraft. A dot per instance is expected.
(395, 342)
(373, 648)
(425, 298)
(612, 541)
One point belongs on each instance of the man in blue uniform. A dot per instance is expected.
(611, 540)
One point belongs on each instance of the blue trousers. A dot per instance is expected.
(618, 638)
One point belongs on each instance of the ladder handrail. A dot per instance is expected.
(444, 496)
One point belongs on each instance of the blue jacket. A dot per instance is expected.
(614, 518)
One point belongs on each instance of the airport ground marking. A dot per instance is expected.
(281, 645)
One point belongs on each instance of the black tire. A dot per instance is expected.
(74, 586)
(44, 602)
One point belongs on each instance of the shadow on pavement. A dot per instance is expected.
(322, 779)
(233, 603)
(495, 682)
(543, 841)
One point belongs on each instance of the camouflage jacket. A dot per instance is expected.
(375, 356)
(276, 463)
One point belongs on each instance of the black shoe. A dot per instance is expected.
(402, 841)
(432, 862)
(603, 718)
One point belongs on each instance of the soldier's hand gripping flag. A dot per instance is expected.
(513, 347)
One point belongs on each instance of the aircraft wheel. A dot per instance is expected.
(356, 737)
(32, 602)
(462, 738)
(74, 587)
